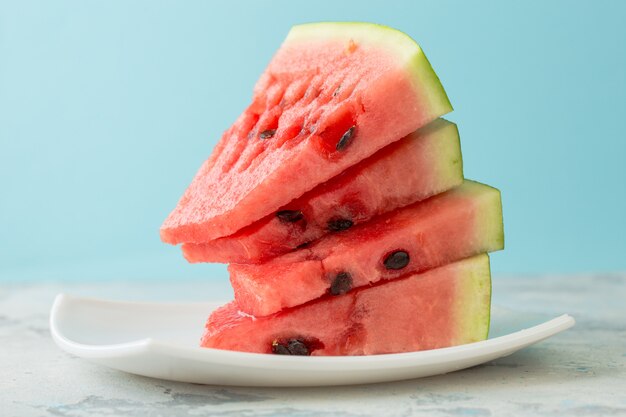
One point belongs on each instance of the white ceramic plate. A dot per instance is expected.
(160, 340)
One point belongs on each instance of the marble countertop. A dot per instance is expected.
(581, 372)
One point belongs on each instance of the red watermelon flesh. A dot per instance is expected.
(442, 307)
(333, 94)
(424, 163)
(462, 222)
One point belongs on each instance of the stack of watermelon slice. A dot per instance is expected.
(339, 201)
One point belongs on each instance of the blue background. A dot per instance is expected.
(108, 108)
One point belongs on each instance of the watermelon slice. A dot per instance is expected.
(462, 222)
(333, 95)
(424, 163)
(442, 307)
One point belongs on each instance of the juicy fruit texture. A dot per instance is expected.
(333, 95)
(442, 307)
(462, 222)
(424, 163)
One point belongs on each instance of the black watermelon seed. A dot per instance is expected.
(303, 245)
(291, 347)
(337, 225)
(298, 347)
(341, 284)
(266, 134)
(397, 260)
(279, 349)
(289, 216)
(345, 139)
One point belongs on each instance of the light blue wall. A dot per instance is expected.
(107, 109)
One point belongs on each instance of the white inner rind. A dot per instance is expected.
(408, 53)
(388, 38)
(473, 308)
(489, 224)
(445, 151)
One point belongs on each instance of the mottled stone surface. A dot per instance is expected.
(581, 372)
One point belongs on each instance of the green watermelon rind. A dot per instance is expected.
(474, 300)
(392, 40)
(490, 226)
(447, 158)
(490, 230)
(489, 222)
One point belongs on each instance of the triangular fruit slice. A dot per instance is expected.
(462, 222)
(425, 163)
(442, 307)
(333, 94)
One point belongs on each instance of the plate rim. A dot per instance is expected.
(517, 340)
